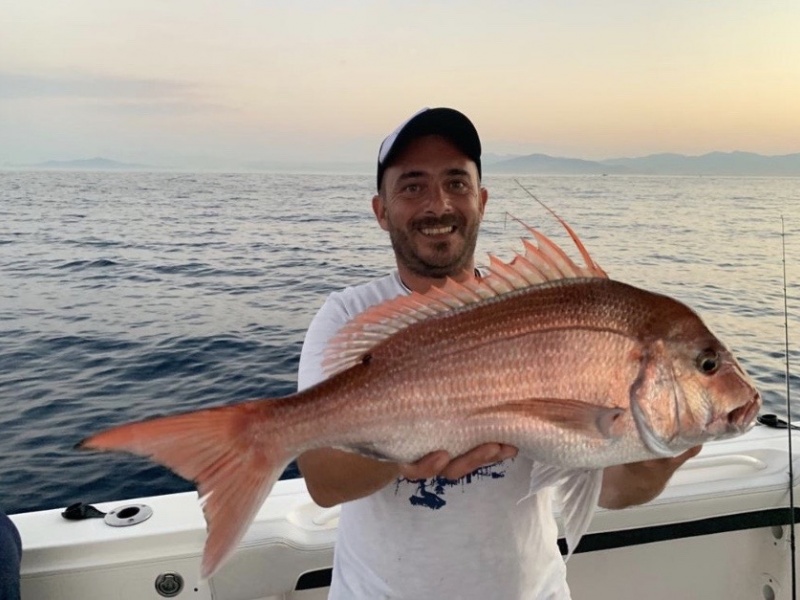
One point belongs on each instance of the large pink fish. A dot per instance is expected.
(579, 371)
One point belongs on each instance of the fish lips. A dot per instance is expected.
(736, 422)
(743, 418)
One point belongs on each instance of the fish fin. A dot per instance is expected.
(564, 412)
(593, 269)
(218, 450)
(543, 260)
(545, 476)
(577, 493)
(578, 496)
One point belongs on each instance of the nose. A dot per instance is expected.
(439, 201)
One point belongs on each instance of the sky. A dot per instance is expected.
(194, 82)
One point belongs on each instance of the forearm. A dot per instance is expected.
(334, 476)
(623, 486)
(640, 482)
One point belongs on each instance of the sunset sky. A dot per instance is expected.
(199, 82)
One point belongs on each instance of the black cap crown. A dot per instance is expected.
(447, 122)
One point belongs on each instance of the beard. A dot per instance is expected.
(437, 259)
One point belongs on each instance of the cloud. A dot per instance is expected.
(109, 95)
(16, 86)
(148, 108)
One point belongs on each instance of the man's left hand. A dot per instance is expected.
(639, 482)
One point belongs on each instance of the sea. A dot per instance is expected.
(127, 295)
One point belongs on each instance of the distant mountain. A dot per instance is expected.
(309, 167)
(552, 165)
(713, 163)
(89, 164)
(488, 158)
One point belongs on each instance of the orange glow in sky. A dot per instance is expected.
(246, 79)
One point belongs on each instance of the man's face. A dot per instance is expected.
(431, 203)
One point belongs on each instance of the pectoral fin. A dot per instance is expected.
(577, 493)
(566, 413)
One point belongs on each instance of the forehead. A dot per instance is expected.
(430, 154)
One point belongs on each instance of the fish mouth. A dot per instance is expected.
(741, 419)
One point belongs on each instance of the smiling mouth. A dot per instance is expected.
(434, 231)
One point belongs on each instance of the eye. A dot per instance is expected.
(708, 361)
(458, 186)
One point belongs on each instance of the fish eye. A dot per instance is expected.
(708, 361)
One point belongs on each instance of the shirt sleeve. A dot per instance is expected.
(328, 320)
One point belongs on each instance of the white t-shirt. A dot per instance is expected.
(437, 539)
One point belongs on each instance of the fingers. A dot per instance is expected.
(485, 454)
(682, 458)
(426, 467)
(670, 465)
(691, 452)
(439, 463)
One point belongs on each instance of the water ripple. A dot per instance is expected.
(129, 295)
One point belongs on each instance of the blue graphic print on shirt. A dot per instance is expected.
(430, 492)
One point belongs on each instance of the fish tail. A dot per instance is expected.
(228, 452)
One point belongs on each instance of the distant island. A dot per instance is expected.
(89, 164)
(713, 163)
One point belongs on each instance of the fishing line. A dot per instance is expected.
(788, 412)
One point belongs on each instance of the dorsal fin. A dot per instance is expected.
(543, 260)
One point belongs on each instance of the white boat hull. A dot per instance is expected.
(720, 530)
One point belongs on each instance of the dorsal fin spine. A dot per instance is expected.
(542, 261)
(560, 260)
(527, 270)
(507, 272)
(535, 255)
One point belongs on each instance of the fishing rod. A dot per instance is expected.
(788, 413)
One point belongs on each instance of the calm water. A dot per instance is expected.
(128, 295)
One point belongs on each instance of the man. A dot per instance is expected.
(449, 527)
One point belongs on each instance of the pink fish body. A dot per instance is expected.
(579, 371)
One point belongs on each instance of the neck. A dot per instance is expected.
(421, 283)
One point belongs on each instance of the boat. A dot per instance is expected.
(721, 529)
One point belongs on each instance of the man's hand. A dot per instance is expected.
(639, 482)
(333, 476)
(440, 463)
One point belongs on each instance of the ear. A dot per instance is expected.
(483, 199)
(379, 208)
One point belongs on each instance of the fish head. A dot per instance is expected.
(691, 389)
(721, 400)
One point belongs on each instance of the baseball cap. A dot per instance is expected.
(447, 122)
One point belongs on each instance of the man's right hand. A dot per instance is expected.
(440, 463)
(333, 476)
